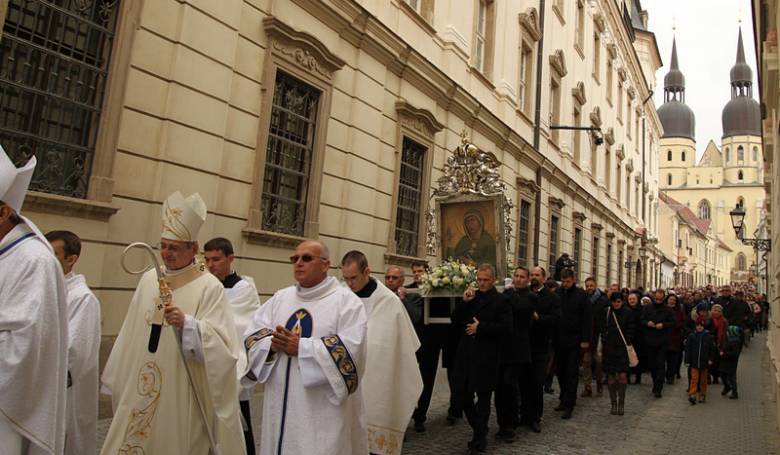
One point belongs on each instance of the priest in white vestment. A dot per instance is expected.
(33, 327)
(83, 348)
(164, 404)
(392, 383)
(241, 293)
(307, 345)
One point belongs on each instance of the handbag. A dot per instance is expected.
(633, 359)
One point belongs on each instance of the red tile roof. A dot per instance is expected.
(703, 226)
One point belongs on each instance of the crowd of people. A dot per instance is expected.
(346, 364)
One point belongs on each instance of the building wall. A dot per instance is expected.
(191, 87)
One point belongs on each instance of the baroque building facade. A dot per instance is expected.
(331, 119)
(725, 177)
(766, 19)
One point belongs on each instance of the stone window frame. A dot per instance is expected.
(556, 210)
(100, 190)
(595, 253)
(526, 192)
(578, 220)
(608, 256)
(307, 59)
(611, 59)
(484, 69)
(422, 15)
(559, 10)
(558, 71)
(421, 126)
(529, 38)
(579, 28)
(595, 122)
(578, 93)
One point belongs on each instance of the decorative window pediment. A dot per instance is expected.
(630, 165)
(420, 120)
(595, 116)
(612, 49)
(609, 136)
(637, 179)
(596, 227)
(301, 49)
(556, 203)
(610, 235)
(599, 22)
(620, 152)
(631, 92)
(558, 62)
(579, 217)
(622, 74)
(578, 92)
(527, 186)
(530, 22)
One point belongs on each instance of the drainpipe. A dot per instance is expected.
(537, 131)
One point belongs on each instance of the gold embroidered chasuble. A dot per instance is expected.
(155, 411)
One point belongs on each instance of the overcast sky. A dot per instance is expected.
(706, 50)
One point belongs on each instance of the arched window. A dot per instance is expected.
(704, 209)
(740, 202)
(740, 176)
(668, 155)
(741, 262)
(728, 155)
(755, 154)
(669, 179)
(683, 155)
(740, 153)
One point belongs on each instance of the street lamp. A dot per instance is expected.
(629, 264)
(737, 220)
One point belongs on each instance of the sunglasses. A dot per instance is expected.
(304, 257)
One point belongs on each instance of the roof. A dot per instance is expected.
(712, 156)
(703, 226)
(723, 245)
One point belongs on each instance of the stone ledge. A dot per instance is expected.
(275, 239)
(36, 201)
(404, 261)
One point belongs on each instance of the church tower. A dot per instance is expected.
(678, 143)
(741, 143)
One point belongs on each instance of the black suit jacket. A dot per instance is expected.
(522, 302)
(548, 307)
(576, 324)
(479, 356)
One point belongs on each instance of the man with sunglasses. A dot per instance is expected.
(172, 372)
(307, 344)
(33, 326)
(392, 381)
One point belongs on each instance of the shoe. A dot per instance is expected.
(657, 394)
(419, 426)
(638, 380)
(587, 392)
(621, 398)
(451, 420)
(549, 390)
(599, 388)
(566, 414)
(560, 407)
(692, 401)
(536, 427)
(702, 399)
(734, 395)
(726, 389)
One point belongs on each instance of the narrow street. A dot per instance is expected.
(650, 427)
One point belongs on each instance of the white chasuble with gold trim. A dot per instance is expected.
(312, 403)
(155, 409)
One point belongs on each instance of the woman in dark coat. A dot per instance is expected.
(637, 339)
(674, 350)
(729, 359)
(613, 350)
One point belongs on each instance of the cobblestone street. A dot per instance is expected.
(650, 427)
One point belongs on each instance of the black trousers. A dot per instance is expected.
(507, 397)
(477, 413)
(730, 381)
(656, 363)
(435, 340)
(249, 439)
(531, 380)
(673, 363)
(568, 361)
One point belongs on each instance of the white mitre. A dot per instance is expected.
(14, 181)
(182, 218)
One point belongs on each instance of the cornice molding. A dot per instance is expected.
(530, 22)
(417, 119)
(301, 49)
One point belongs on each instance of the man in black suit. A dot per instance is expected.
(485, 318)
(516, 355)
(434, 339)
(575, 331)
(545, 314)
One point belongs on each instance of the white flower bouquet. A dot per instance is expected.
(450, 277)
